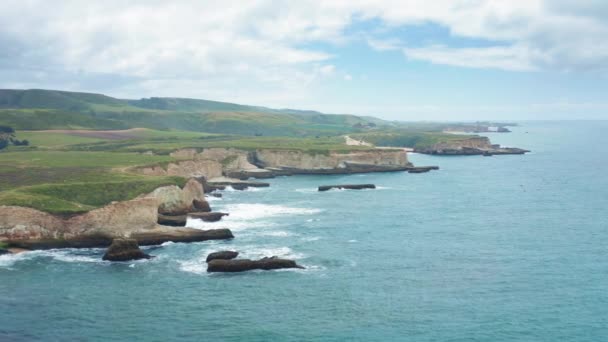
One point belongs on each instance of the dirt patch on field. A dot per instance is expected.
(108, 135)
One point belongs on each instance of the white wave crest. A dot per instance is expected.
(243, 216)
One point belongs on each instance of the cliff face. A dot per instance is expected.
(186, 169)
(215, 162)
(32, 228)
(356, 161)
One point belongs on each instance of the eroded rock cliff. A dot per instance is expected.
(137, 218)
(333, 162)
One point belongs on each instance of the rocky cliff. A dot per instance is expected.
(333, 162)
(137, 218)
(215, 162)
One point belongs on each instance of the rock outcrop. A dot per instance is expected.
(241, 265)
(347, 186)
(469, 146)
(422, 169)
(223, 255)
(175, 201)
(124, 250)
(208, 217)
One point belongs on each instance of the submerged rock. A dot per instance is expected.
(347, 186)
(241, 265)
(223, 255)
(4, 251)
(216, 195)
(208, 217)
(124, 250)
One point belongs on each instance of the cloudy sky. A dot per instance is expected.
(400, 59)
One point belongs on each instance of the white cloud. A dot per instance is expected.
(348, 77)
(260, 49)
(508, 58)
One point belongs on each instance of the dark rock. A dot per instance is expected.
(4, 251)
(422, 169)
(241, 265)
(201, 205)
(146, 237)
(216, 194)
(223, 255)
(174, 221)
(208, 217)
(156, 237)
(347, 186)
(487, 154)
(239, 186)
(124, 250)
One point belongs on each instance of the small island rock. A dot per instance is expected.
(124, 250)
(241, 265)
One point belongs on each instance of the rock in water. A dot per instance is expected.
(347, 186)
(208, 217)
(241, 265)
(223, 255)
(4, 251)
(124, 250)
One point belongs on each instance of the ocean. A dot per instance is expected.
(503, 248)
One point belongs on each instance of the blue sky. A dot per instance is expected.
(402, 60)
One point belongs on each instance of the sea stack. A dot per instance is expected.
(124, 250)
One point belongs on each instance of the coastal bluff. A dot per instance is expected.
(137, 218)
(266, 163)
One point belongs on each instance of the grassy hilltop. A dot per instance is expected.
(81, 145)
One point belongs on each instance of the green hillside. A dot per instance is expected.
(50, 109)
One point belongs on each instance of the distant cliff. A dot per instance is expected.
(470, 146)
(215, 162)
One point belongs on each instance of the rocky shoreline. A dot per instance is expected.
(161, 216)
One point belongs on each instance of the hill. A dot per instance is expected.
(38, 109)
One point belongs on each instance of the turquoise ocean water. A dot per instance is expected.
(504, 248)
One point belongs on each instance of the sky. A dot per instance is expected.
(394, 59)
